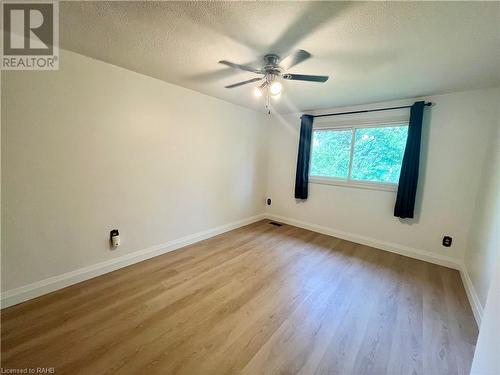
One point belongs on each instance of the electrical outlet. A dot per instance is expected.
(114, 238)
(447, 240)
(268, 201)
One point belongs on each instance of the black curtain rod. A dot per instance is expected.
(366, 110)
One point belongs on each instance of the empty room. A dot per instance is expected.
(240, 187)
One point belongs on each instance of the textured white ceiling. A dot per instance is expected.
(373, 51)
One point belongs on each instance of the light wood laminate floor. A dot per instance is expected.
(257, 300)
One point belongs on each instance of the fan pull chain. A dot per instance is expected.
(268, 101)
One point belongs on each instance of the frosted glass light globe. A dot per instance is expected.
(275, 88)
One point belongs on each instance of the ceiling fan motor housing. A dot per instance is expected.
(271, 59)
(272, 67)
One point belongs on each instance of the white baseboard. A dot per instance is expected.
(36, 289)
(424, 255)
(475, 303)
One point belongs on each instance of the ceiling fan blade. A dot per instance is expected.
(305, 77)
(240, 67)
(243, 83)
(294, 59)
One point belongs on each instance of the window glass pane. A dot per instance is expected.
(330, 153)
(378, 153)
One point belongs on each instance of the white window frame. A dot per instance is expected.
(371, 185)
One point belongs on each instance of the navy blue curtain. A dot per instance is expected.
(302, 174)
(408, 179)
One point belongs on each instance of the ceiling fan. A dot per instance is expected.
(275, 69)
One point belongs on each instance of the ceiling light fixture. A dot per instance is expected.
(275, 88)
(257, 92)
(270, 87)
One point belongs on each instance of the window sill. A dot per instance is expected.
(353, 184)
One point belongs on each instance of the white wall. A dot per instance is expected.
(456, 130)
(93, 147)
(482, 261)
(484, 238)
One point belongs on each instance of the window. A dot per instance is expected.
(366, 156)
